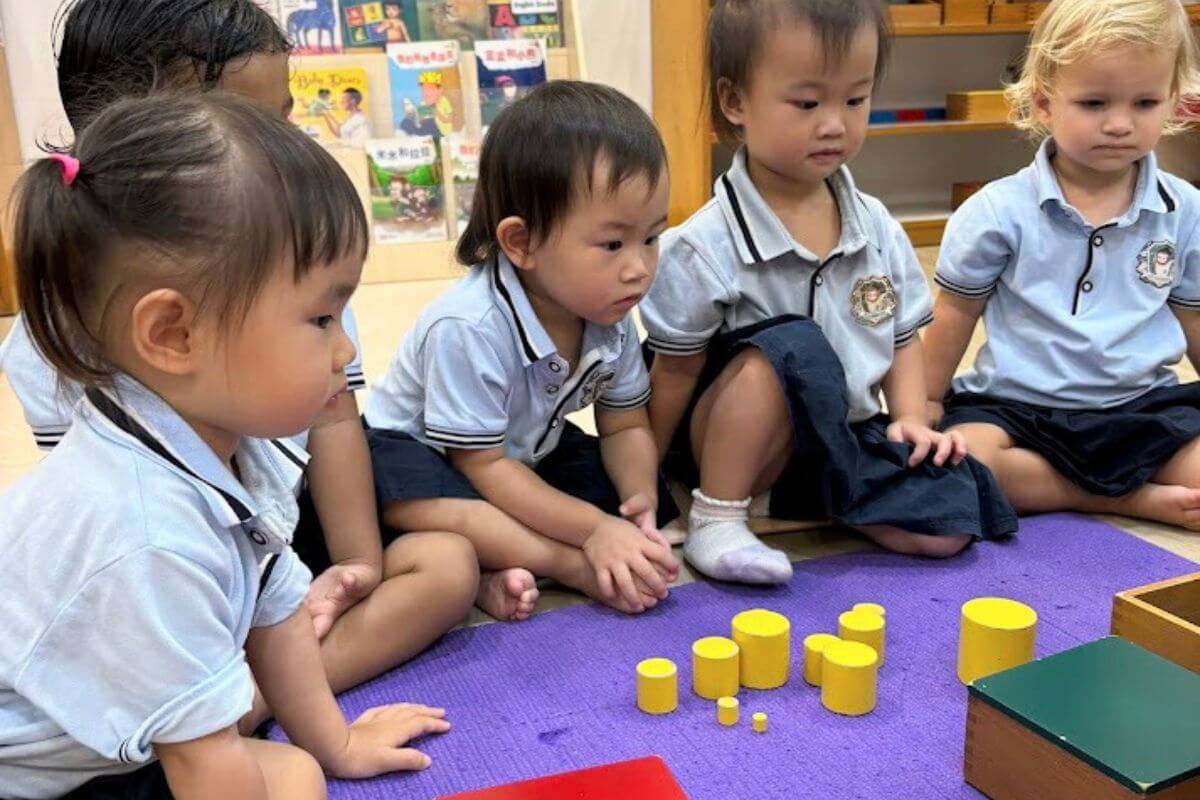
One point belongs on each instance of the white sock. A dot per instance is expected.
(720, 545)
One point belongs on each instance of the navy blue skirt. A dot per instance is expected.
(847, 472)
(406, 469)
(1107, 452)
(147, 783)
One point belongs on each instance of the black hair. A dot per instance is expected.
(355, 95)
(117, 48)
(543, 150)
(204, 193)
(737, 30)
(323, 91)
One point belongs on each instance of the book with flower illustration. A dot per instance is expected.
(407, 199)
(464, 21)
(331, 104)
(427, 88)
(464, 168)
(526, 19)
(507, 69)
(311, 25)
(374, 24)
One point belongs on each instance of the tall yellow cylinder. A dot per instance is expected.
(848, 678)
(715, 667)
(814, 655)
(657, 686)
(764, 639)
(863, 626)
(996, 634)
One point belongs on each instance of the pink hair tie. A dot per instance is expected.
(69, 164)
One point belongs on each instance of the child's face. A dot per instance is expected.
(601, 258)
(393, 12)
(1107, 111)
(263, 80)
(802, 117)
(430, 93)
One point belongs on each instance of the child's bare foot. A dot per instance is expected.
(509, 595)
(1174, 505)
(335, 591)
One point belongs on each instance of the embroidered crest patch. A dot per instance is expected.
(873, 300)
(594, 387)
(1156, 264)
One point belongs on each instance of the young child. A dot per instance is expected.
(411, 589)
(1086, 268)
(785, 304)
(134, 604)
(468, 428)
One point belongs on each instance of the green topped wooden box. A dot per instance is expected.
(1104, 720)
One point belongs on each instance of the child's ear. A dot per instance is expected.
(731, 100)
(1041, 107)
(163, 331)
(513, 236)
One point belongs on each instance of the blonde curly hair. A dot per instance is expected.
(1073, 29)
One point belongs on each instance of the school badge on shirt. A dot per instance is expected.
(1156, 264)
(595, 386)
(873, 300)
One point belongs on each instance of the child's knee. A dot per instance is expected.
(942, 546)
(453, 559)
(294, 773)
(751, 369)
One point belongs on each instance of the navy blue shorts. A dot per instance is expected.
(1108, 452)
(147, 783)
(847, 472)
(406, 469)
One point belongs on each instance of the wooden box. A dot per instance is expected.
(977, 106)
(1104, 721)
(1034, 10)
(920, 13)
(1008, 13)
(964, 12)
(1164, 618)
(961, 190)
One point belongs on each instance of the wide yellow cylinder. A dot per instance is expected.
(715, 665)
(814, 655)
(848, 678)
(657, 686)
(996, 634)
(764, 639)
(863, 626)
(727, 711)
(873, 608)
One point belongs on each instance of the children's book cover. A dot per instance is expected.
(376, 23)
(464, 21)
(427, 90)
(508, 70)
(331, 104)
(464, 167)
(407, 200)
(312, 25)
(526, 19)
(269, 6)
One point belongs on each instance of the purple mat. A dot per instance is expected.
(557, 692)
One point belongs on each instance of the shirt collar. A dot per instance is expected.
(757, 231)
(271, 470)
(1150, 193)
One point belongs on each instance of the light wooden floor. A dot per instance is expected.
(386, 311)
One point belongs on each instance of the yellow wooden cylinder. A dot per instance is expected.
(727, 711)
(814, 655)
(848, 678)
(996, 634)
(863, 626)
(764, 639)
(759, 721)
(715, 667)
(873, 608)
(657, 686)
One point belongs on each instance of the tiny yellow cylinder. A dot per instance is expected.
(727, 711)
(873, 608)
(996, 634)
(764, 638)
(715, 664)
(863, 626)
(657, 686)
(760, 722)
(848, 678)
(814, 655)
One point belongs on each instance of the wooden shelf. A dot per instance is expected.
(1193, 13)
(924, 223)
(934, 127)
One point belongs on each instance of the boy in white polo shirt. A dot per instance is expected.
(1086, 268)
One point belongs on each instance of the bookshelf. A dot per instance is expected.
(10, 170)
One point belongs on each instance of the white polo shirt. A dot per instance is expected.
(479, 371)
(733, 263)
(131, 576)
(1077, 316)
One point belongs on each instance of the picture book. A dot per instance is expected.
(377, 23)
(427, 91)
(331, 104)
(508, 69)
(407, 199)
(312, 25)
(464, 21)
(526, 19)
(464, 168)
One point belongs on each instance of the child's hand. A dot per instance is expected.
(934, 410)
(375, 741)
(924, 440)
(621, 554)
(642, 511)
(335, 591)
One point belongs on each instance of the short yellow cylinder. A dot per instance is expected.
(764, 638)
(863, 626)
(759, 721)
(996, 634)
(727, 711)
(657, 686)
(873, 608)
(814, 655)
(715, 666)
(848, 678)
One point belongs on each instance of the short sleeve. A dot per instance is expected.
(355, 379)
(631, 387)
(976, 249)
(284, 583)
(47, 403)
(685, 306)
(466, 387)
(914, 305)
(145, 652)
(1186, 294)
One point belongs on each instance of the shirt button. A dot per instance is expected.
(1087, 286)
(258, 538)
(555, 367)
(553, 423)
(818, 280)
(552, 389)
(1098, 241)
